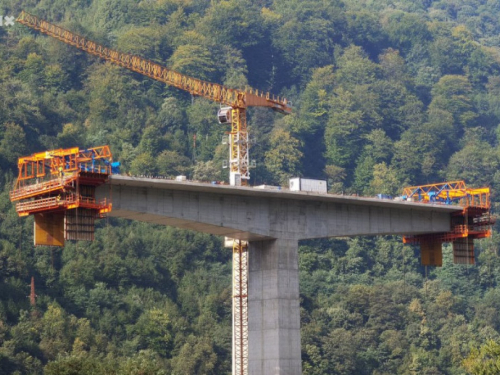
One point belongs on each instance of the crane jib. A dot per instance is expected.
(212, 91)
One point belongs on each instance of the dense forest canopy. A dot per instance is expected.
(385, 94)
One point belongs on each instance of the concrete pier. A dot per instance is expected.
(273, 222)
(274, 308)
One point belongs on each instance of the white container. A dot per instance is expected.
(307, 184)
(180, 178)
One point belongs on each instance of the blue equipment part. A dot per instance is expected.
(115, 167)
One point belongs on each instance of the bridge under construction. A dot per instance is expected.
(67, 189)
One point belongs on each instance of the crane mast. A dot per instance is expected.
(237, 101)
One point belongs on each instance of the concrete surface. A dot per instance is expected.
(256, 214)
(274, 308)
(273, 221)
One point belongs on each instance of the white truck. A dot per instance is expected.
(307, 184)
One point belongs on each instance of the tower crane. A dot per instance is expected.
(236, 102)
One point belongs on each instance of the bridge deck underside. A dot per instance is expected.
(188, 225)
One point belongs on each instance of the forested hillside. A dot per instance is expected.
(385, 94)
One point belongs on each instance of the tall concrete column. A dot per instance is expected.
(274, 308)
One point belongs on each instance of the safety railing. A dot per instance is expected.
(58, 202)
(40, 188)
(39, 204)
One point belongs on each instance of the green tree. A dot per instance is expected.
(384, 180)
(477, 162)
(405, 30)
(144, 165)
(342, 131)
(171, 115)
(453, 94)
(151, 141)
(154, 328)
(197, 356)
(243, 29)
(55, 332)
(145, 362)
(13, 144)
(283, 159)
(355, 68)
(304, 33)
(310, 123)
(207, 171)
(170, 163)
(195, 61)
(484, 360)
(364, 29)
(146, 42)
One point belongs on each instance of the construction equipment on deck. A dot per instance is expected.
(473, 222)
(58, 188)
(234, 113)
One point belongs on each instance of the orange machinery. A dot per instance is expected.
(58, 188)
(473, 222)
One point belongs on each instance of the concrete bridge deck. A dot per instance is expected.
(249, 213)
